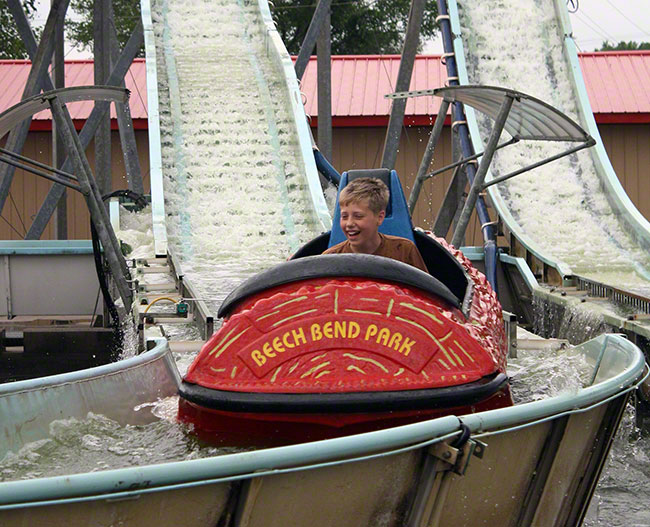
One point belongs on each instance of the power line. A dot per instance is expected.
(594, 26)
(644, 32)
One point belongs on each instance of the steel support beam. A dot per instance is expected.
(102, 61)
(411, 41)
(93, 199)
(58, 151)
(85, 136)
(477, 184)
(428, 154)
(321, 12)
(451, 203)
(324, 61)
(62, 181)
(41, 56)
(125, 125)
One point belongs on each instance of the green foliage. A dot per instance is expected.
(80, 31)
(11, 46)
(358, 27)
(631, 45)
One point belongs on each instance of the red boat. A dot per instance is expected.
(329, 345)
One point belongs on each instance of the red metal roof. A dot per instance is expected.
(14, 73)
(365, 79)
(616, 82)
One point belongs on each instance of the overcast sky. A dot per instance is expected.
(593, 22)
(598, 20)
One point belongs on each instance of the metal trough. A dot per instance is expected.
(539, 463)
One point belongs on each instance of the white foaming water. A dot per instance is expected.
(561, 206)
(235, 188)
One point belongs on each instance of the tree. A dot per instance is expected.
(631, 45)
(11, 46)
(358, 27)
(127, 14)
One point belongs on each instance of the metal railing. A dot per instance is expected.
(613, 294)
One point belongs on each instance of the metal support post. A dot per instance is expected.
(324, 61)
(322, 10)
(125, 125)
(477, 184)
(453, 201)
(428, 154)
(85, 136)
(58, 151)
(41, 57)
(102, 56)
(391, 143)
(97, 210)
(460, 177)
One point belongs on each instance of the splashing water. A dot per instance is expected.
(99, 443)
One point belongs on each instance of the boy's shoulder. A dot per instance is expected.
(396, 239)
(342, 247)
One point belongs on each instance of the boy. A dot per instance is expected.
(363, 208)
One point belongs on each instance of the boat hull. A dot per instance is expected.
(298, 424)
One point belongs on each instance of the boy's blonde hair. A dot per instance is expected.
(370, 188)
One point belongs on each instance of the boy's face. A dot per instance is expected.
(360, 224)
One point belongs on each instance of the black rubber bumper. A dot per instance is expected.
(352, 402)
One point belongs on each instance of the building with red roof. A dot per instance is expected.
(616, 83)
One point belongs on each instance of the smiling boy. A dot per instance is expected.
(363, 209)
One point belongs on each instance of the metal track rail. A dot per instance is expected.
(200, 310)
(177, 289)
(613, 294)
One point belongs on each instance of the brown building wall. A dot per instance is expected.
(362, 148)
(628, 147)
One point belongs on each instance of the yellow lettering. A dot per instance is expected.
(258, 357)
(353, 330)
(339, 329)
(370, 332)
(395, 341)
(285, 340)
(299, 335)
(277, 346)
(266, 348)
(316, 333)
(406, 346)
(383, 336)
(327, 330)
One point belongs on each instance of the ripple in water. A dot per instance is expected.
(99, 443)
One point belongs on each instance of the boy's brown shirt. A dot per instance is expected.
(393, 247)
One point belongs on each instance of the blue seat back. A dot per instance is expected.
(397, 221)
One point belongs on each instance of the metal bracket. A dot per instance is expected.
(457, 459)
